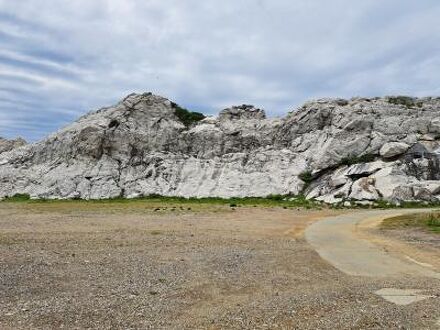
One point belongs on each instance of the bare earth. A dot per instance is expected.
(81, 265)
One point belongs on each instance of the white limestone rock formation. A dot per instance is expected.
(145, 145)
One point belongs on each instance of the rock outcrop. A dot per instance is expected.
(8, 145)
(361, 149)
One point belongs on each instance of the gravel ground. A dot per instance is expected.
(130, 267)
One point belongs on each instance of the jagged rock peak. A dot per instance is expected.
(244, 111)
(141, 101)
(147, 102)
(388, 101)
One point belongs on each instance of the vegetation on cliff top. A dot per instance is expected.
(187, 117)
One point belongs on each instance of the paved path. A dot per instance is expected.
(336, 241)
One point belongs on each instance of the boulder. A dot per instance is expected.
(364, 189)
(393, 149)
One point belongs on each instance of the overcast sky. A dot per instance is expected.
(62, 58)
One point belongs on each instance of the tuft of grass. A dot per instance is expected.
(351, 160)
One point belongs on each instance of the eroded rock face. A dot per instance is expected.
(140, 147)
(8, 145)
(244, 111)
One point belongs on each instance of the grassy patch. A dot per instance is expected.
(427, 221)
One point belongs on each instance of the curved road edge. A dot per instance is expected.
(335, 240)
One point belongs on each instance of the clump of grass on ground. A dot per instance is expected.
(425, 221)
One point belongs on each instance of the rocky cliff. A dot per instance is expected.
(330, 149)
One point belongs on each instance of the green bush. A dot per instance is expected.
(187, 117)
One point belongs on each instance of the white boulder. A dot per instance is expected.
(393, 149)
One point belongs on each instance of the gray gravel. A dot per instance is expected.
(188, 270)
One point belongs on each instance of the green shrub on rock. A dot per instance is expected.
(187, 117)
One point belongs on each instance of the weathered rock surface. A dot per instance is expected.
(393, 149)
(140, 147)
(8, 145)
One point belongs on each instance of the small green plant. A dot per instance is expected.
(306, 176)
(351, 160)
(187, 117)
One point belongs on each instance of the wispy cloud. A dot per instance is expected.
(61, 59)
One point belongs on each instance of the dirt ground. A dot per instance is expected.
(141, 266)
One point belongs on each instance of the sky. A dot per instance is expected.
(61, 59)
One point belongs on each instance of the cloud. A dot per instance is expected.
(60, 60)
